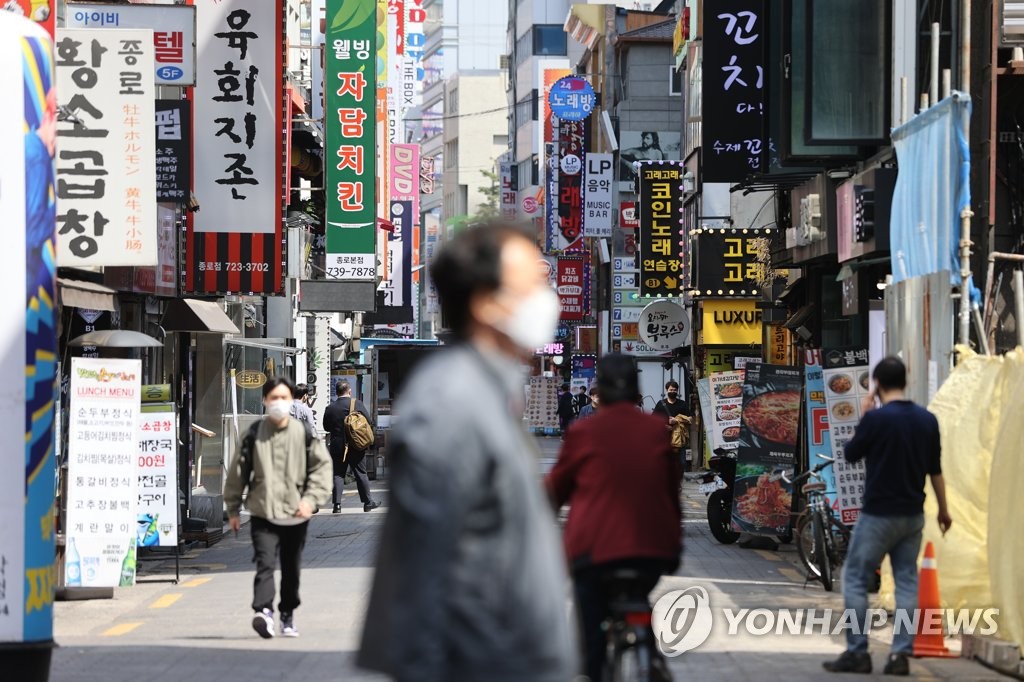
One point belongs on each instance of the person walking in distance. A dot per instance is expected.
(300, 406)
(900, 445)
(566, 408)
(470, 582)
(345, 452)
(673, 411)
(619, 474)
(590, 408)
(287, 473)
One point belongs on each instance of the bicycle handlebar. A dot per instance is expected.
(810, 472)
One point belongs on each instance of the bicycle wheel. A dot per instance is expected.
(823, 553)
(805, 545)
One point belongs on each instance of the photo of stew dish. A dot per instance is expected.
(840, 383)
(729, 412)
(762, 502)
(844, 410)
(731, 433)
(864, 380)
(729, 390)
(774, 416)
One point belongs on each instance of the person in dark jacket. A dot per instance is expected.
(470, 581)
(566, 411)
(618, 472)
(343, 452)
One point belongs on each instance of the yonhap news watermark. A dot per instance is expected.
(683, 620)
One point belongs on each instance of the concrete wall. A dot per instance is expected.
(646, 103)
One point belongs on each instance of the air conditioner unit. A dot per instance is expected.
(810, 220)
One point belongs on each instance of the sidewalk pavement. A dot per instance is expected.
(199, 630)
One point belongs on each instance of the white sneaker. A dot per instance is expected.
(288, 628)
(263, 623)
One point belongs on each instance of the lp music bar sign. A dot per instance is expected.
(597, 196)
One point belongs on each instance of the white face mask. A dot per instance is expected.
(534, 321)
(279, 409)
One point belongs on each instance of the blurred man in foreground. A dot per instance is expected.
(619, 473)
(470, 580)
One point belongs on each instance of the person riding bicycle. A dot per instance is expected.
(619, 473)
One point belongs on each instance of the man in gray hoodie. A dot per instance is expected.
(470, 582)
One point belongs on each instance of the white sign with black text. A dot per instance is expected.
(597, 196)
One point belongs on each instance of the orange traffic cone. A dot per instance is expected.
(927, 642)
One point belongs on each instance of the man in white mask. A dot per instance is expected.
(470, 581)
(288, 474)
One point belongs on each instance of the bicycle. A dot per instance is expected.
(821, 539)
(631, 654)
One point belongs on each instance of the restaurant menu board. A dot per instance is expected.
(103, 444)
(762, 499)
(727, 401)
(542, 404)
(819, 440)
(847, 381)
(157, 520)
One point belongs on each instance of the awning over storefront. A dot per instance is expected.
(76, 293)
(265, 345)
(193, 315)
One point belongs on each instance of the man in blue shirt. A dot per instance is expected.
(900, 444)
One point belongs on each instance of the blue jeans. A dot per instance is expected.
(873, 538)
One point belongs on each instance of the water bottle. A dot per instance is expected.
(72, 566)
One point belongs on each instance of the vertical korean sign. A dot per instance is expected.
(106, 177)
(156, 475)
(350, 147)
(404, 210)
(661, 194)
(569, 202)
(597, 184)
(847, 382)
(819, 440)
(235, 241)
(28, 130)
(733, 115)
(508, 190)
(571, 287)
(102, 495)
(762, 499)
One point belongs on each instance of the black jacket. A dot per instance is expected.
(334, 422)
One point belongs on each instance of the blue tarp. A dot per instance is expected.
(932, 188)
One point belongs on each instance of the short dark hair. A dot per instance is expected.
(890, 374)
(274, 382)
(470, 263)
(344, 388)
(300, 392)
(593, 390)
(617, 380)
(672, 384)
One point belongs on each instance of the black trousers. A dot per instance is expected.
(268, 541)
(354, 461)
(592, 600)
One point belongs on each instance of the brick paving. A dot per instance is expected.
(199, 629)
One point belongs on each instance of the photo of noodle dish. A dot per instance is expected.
(762, 501)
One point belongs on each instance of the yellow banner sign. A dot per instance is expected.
(731, 322)
(156, 393)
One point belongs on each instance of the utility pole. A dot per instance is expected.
(965, 213)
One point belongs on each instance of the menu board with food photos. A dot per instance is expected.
(762, 500)
(847, 383)
(727, 405)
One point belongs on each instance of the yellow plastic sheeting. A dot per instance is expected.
(981, 559)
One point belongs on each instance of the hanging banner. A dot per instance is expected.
(733, 117)
(173, 149)
(847, 382)
(569, 201)
(235, 241)
(726, 409)
(351, 139)
(157, 477)
(819, 440)
(103, 444)
(404, 212)
(762, 500)
(106, 178)
(28, 133)
(597, 183)
(571, 287)
(173, 27)
(661, 196)
(508, 191)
